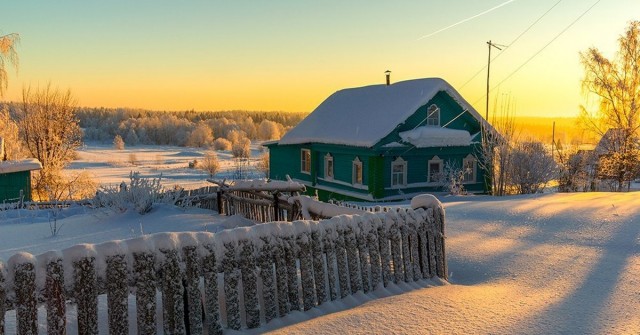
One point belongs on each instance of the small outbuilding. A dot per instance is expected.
(15, 179)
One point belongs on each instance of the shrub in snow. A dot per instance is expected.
(139, 195)
(221, 144)
(118, 143)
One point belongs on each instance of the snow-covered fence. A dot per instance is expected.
(259, 200)
(236, 278)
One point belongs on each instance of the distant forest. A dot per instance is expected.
(186, 128)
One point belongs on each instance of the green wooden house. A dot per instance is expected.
(15, 179)
(383, 143)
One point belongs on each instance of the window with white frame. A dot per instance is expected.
(469, 169)
(434, 170)
(398, 172)
(357, 172)
(433, 116)
(328, 166)
(305, 161)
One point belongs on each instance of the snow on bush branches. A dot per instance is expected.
(139, 195)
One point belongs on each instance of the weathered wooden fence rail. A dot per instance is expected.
(250, 275)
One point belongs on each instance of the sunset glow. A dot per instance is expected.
(290, 55)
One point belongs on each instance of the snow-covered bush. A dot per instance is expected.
(140, 194)
(118, 143)
(221, 144)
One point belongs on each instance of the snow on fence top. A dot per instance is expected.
(22, 165)
(362, 116)
(260, 185)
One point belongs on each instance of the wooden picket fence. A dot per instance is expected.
(250, 275)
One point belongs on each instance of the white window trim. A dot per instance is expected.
(474, 177)
(437, 111)
(433, 160)
(302, 155)
(328, 158)
(399, 161)
(354, 180)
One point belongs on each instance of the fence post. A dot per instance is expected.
(413, 244)
(25, 288)
(363, 252)
(194, 297)
(441, 263)
(219, 202)
(276, 207)
(54, 290)
(145, 279)
(3, 295)
(86, 294)
(341, 261)
(247, 264)
(231, 279)
(385, 253)
(355, 278)
(117, 294)
(318, 264)
(306, 270)
(329, 246)
(374, 251)
(396, 248)
(290, 255)
(212, 309)
(172, 293)
(282, 280)
(265, 263)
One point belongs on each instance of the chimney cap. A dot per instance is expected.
(388, 75)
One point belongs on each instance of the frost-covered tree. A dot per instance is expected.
(241, 148)
(210, 163)
(9, 132)
(201, 136)
(615, 84)
(50, 131)
(118, 143)
(269, 130)
(531, 168)
(221, 144)
(8, 54)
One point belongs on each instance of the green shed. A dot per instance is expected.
(15, 179)
(384, 143)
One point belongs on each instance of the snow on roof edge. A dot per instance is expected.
(18, 166)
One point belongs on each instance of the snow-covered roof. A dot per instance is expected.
(430, 136)
(362, 116)
(22, 165)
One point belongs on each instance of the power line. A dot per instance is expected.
(512, 43)
(542, 49)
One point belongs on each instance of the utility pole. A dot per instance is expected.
(488, 72)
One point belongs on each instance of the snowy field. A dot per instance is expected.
(110, 167)
(542, 264)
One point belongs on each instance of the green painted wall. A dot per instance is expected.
(12, 183)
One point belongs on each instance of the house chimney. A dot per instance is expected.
(388, 74)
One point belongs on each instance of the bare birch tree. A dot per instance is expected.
(8, 54)
(615, 83)
(51, 133)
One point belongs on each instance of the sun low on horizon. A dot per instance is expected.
(290, 55)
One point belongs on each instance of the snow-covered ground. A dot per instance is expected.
(110, 167)
(540, 264)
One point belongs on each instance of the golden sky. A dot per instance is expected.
(291, 55)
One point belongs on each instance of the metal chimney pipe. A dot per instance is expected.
(388, 75)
